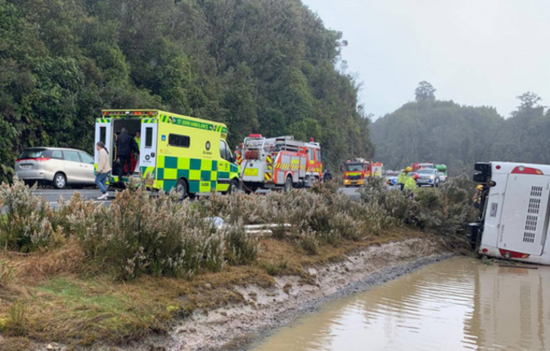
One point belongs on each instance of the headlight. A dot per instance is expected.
(432, 177)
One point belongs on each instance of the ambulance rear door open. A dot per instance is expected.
(524, 220)
(104, 133)
(148, 152)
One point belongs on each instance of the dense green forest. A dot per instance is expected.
(429, 130)
(258, 65)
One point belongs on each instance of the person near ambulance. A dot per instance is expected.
(103, 170)
(137, 138)
(126, 145)
(410, 184)
(402, 179)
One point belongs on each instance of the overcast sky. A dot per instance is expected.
(474, 52)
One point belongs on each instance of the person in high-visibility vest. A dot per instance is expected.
(403, 178)
(137, 138)
(410, 183)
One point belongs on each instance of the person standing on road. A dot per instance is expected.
(410, 184)
(327, 176)
(402, 179)
(103, 170)
(125, 146)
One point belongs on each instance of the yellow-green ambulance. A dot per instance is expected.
(178, 152)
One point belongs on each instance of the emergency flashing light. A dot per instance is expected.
(255, 136)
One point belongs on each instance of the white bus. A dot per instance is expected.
(515, 212)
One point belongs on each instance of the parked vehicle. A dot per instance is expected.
(357, 172)
(515, 211)
(280, 162)
(443, 175)
(391, 182)
(57, 166)
(177, 152)
(417, 166)
(428, 176)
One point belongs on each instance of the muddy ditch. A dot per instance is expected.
(236, 327)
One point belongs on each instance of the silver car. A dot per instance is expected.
(57, 166)
(428, 176)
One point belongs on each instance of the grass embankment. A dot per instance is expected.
(87, 274)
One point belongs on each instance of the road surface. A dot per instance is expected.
(353, 193)
(52, 196)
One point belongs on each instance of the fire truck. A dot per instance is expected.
(279, 163)
(356, 172)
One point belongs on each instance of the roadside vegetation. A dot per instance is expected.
(259, 66)
(86, 273)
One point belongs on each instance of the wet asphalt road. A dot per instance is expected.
(353, 193)
(52, 196)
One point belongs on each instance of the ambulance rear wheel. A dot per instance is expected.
(288, 184)
(233, 187)
(181, 189)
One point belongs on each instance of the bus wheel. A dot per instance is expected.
(181, 189)
(288, 184)
(233, 187)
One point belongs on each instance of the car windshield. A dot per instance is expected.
(426, 171)
(32, 153)
(354, 167)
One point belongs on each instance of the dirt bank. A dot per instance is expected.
(263, 309)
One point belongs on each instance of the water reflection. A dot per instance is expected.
(458, 304)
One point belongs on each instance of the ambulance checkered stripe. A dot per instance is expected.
(196, 171)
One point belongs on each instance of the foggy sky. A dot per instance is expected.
(474, 52)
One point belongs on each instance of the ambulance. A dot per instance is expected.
(515, 213)
(178, 152)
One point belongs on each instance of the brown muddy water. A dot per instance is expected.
(458, 304)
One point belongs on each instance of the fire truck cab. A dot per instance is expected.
(279, 163)
(356, 172)
(515, 211)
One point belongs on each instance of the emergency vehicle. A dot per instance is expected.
(515, 211)
(357, 172)
(178, 152)
(280, 162)
(417, 166)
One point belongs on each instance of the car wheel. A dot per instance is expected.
(288, 184)
(59, 181)
(233, 187)
(181, 189)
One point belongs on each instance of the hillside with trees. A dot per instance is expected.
(258, 65)
(430, 130)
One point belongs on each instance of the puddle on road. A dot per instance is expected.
(458, 304)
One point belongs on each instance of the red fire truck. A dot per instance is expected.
(280, 162)
(356, 172)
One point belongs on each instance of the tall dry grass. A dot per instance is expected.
(161, 236)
